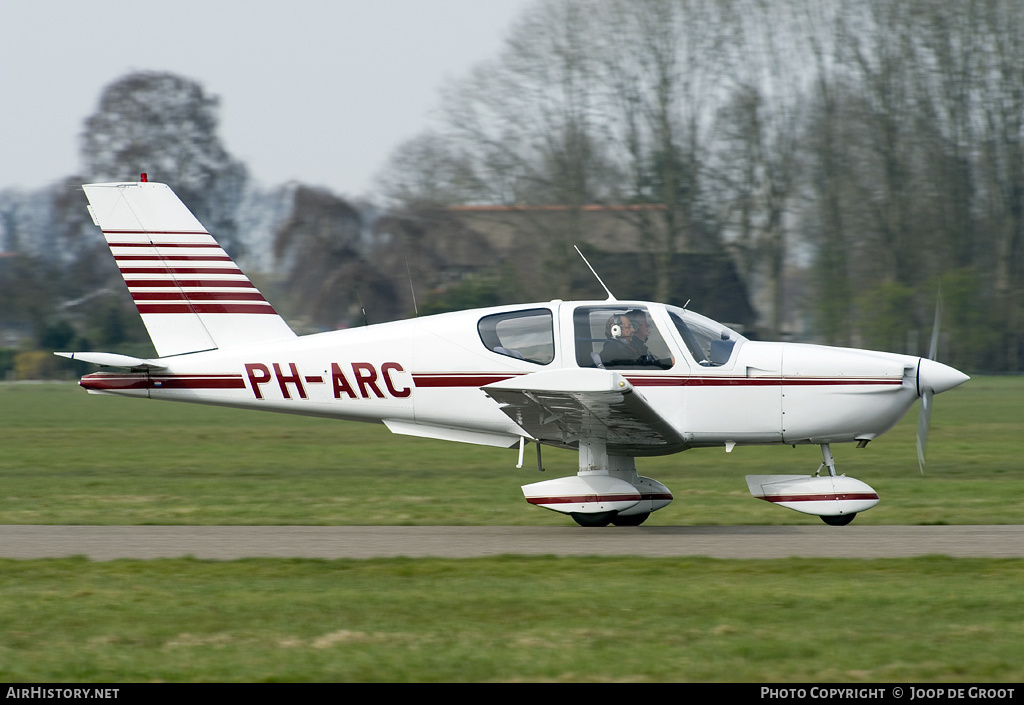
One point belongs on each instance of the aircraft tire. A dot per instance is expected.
(588, 520)
(631, 520)
(841, 520)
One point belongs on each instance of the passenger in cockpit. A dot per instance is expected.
(641, 332)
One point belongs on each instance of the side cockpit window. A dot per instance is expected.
(523, 335)
(618, 337)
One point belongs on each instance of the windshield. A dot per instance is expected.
(710, 343)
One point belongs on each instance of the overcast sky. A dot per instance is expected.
(320, 91)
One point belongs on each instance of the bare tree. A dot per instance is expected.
(883, 140)
(320, 248)
(166, 125)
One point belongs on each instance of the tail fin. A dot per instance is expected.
(191, 295)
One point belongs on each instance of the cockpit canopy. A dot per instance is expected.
(622, 336)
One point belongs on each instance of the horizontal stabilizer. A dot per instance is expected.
(112, 360)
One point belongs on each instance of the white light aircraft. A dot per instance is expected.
(613, 380)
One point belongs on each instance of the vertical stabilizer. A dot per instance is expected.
(190, 294)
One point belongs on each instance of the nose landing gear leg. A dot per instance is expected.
(829, 462)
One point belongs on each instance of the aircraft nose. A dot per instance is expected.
(938, 378)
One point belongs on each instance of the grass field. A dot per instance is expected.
(512, 619)
(71, 458)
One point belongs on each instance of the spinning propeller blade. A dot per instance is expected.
(925, 418)
(933, 347)
(932, 378)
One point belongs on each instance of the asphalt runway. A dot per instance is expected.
(232, 542)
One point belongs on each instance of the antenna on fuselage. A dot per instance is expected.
(362, 308)
(611, 296)
(412, 290)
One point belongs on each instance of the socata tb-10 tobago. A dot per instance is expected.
(611, 379)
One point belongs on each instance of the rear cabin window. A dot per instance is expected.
(523, 335)
(621, 338)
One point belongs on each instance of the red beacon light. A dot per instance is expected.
(144, 177)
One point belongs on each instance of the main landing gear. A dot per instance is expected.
(606, 490)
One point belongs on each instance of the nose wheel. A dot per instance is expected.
(827, 461)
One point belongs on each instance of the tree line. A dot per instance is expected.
(854, 159)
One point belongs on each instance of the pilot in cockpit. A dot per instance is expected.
(618, 350)
(623, 347)
(626, 347)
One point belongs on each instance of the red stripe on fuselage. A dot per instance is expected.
(479, 379)
(645, 381)
(424, 380)
(105, 381)
(460, 379)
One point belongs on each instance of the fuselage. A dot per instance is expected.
(424, 376)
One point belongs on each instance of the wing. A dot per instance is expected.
(561, 406)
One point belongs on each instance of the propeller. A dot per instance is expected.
(932, 378)
(925, 417)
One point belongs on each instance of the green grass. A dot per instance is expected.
(512, 619)
(72, 458)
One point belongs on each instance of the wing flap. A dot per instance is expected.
(562, 406)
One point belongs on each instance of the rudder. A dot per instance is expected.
(190, 293)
